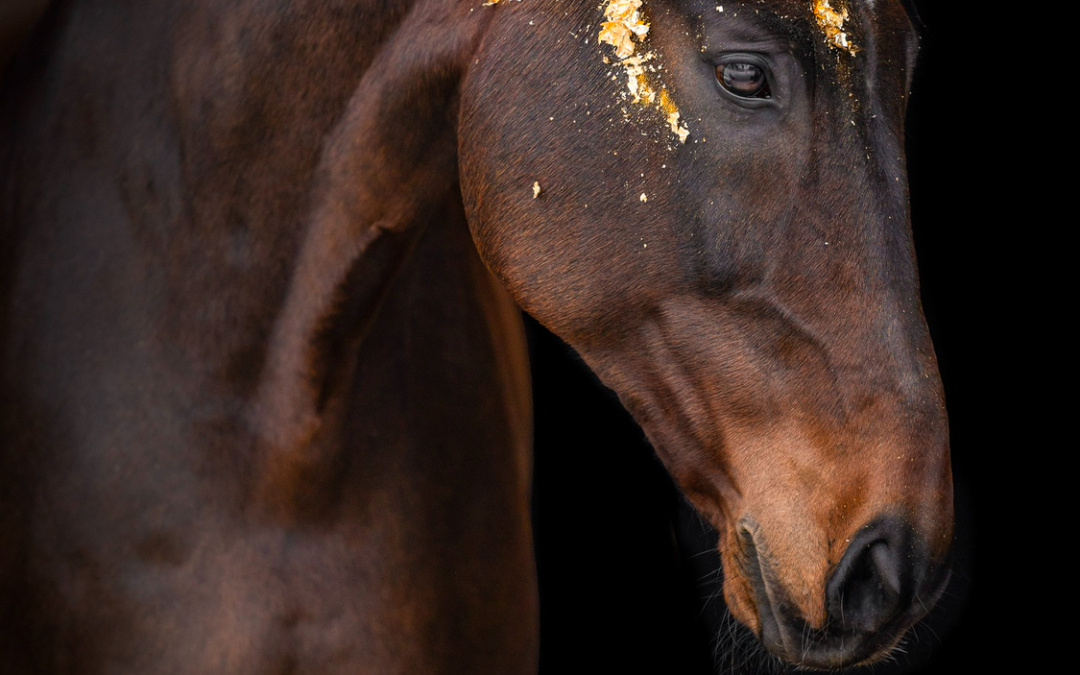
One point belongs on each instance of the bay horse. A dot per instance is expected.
(264, 385)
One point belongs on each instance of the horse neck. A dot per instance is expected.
(258, 180)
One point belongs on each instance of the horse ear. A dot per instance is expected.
(383, 171)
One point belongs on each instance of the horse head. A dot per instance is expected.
(708, 201)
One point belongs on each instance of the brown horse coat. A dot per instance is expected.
(263, 386)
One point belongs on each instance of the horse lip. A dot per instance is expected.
(770, 632)
(847, 650)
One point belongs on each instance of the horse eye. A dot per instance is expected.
(743, 79)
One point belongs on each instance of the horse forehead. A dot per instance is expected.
(827, 14)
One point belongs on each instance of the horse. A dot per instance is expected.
(264, 384)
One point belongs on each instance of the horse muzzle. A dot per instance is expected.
(885, 582)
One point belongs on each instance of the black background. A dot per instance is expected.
(618, 594)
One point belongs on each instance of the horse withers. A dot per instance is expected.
(264, 387)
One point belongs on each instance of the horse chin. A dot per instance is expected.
(885, 584)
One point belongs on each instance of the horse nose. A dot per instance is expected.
(876, 578)
(886, 581)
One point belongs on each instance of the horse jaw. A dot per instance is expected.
(833, 502)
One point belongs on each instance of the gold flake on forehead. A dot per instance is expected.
(672, 113)
(831, 22)
(624, 24)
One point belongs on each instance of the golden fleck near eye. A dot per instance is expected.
(743, 79)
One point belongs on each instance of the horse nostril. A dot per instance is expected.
(885, 564)
(868, 594)
(873, 580)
